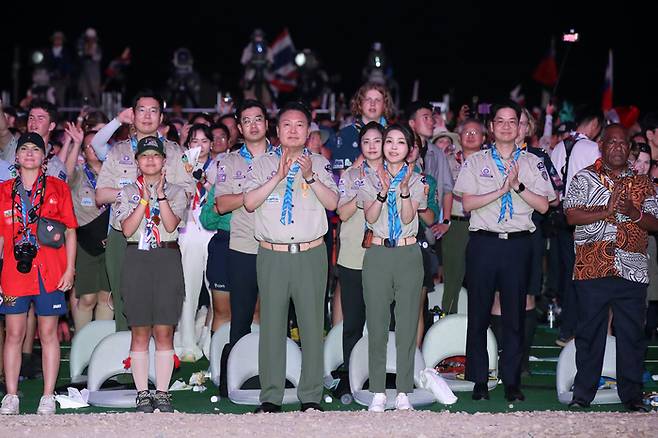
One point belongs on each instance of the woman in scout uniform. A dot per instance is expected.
(91, 283)
(36, 270)
(393, 264)
(352, 231)
(152, 285)
(194, 238)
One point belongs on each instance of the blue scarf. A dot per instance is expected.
(394, 224)
(507, 197)
(286, 208)
(248, 156)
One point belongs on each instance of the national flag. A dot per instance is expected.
(606, 101)
(517, 95)
(283, 71)
(546, 71)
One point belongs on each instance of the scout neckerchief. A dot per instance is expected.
(90, 175)
(200, 192)
(152, 216)
(286, 207)
(248, 156)
(394, 225)
(507, 197)
(134, 141)
(28, 209)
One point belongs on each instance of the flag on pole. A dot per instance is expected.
(546, 71)
(606, 101)
(517, 95)
(284, 72)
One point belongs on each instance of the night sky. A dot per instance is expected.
(461, 47)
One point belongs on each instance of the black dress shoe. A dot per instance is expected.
(480, 391)
(267, 408)
(578, 404)
(637, 406)
(513, 393)
(316, 406)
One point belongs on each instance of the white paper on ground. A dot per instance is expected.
(432, 381)
(179, 385)
(76, 399)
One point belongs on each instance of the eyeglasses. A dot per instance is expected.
(472, 132)
(246, 121)
(502, 122)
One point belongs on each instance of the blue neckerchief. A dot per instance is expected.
(286, 208)
(90, 175)
(134, 141)
(248, 156)
(394, 224)
(507, 197)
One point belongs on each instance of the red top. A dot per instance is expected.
(51, 262)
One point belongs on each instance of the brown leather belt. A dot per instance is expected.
(172, 244)
(393, 243)
(292, 248)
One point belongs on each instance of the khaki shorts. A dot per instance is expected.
(90, 273)
(152, 286)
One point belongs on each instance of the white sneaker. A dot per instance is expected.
(378, 403)
(10, 405)
(402, 402)
(47, 405)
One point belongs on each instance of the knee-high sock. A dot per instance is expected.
(139, 364)
(164, 367)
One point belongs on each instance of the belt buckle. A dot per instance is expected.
(293, 248)
(390, 243)
(503, 236)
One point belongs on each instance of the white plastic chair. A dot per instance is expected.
(359, 374)
(219, 339)
(333, 348)
(434, 299)
(243, 365)
(83, 345)
(447, 338)
(566, 373)
(107, 361)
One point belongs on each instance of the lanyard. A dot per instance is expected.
(90, 175)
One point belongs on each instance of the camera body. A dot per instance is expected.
(24, 253)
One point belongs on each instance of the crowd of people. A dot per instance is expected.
(143, 219)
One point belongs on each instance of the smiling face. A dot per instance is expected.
(29, 156)
(471, 136)
(148, 116)
(39, 121)
(292, 129)
(371, 145)
(505, 125)
(150, 162)
(199, 139)
(395, 147)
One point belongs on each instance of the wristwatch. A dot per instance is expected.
(521, 188)
(381, 198)
(446, 222)
(310, 181)
(164, 198)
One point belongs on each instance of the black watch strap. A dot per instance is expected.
(521, 188)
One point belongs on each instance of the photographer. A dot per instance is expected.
(38, 218)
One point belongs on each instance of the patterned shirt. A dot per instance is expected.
(615, 246)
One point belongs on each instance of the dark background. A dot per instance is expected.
(463, 48)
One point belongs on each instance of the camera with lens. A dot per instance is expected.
(24, 253)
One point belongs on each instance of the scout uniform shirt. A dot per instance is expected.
(231, 179)
(128, 200)
(368, 193)
(351, 231)
(120, 169)
(197, 199)
(83, 194)
(309, 219)
(455, 161)
(480, 175)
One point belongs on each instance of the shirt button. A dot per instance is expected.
(292, 238)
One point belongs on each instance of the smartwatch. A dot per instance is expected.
(521, 188)
(446, 222)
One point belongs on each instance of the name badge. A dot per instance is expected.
(87, 202)
(274, 198)
(124, 182)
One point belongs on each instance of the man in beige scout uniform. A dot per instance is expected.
(289, 195)
(120, 169)
(243, 247)
(500, 187)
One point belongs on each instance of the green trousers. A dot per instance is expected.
(302, 277)
(115, 252)
(392, 274)
(453, 247)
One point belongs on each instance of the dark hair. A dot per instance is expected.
(506, 104)
(638, 148)
(221, 126)
(649, 122)
(226, 116)
(172, 132)
(148, 94)
(588, 114)
(406, 131)
(94, 118)
(47, 107)
(250, 103)
(295, 106)
(205, 116)
(413, 108)
(198, 127)
(371, 125)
